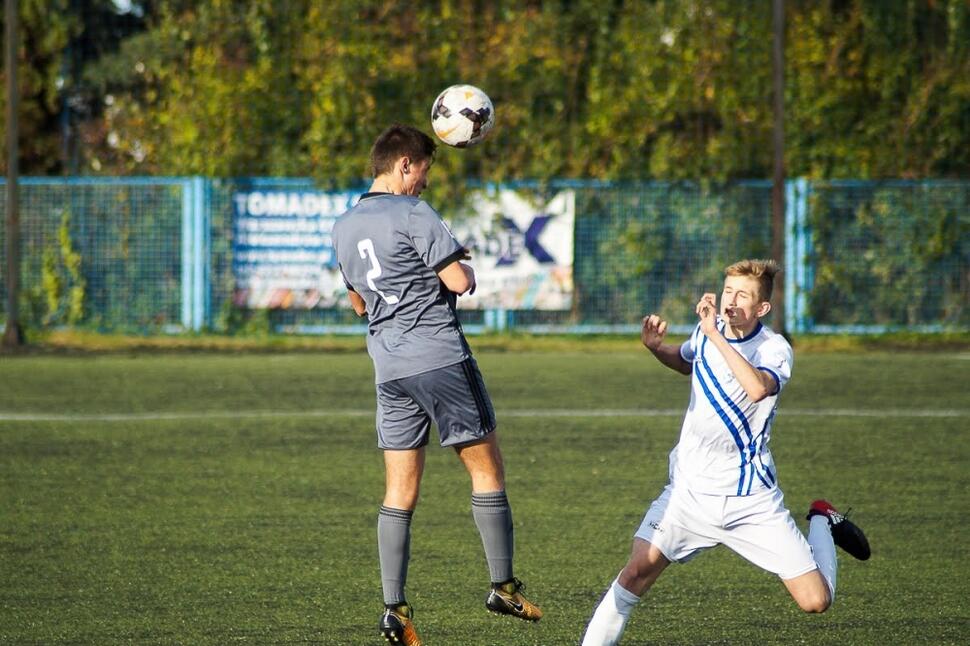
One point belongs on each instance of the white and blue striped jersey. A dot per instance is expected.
(723, 447)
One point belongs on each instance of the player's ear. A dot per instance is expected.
(405, 163)
(763, 308)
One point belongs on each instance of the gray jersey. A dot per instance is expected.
(389, 249)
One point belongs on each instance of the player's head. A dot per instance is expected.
(747, 291)
(403, 154)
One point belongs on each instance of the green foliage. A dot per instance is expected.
(72, 266)
(46, 27)
(103, 256)
(50, 281)
(582, 88)
(62, 284)
(244, 322)
(879, 89)
(657, 247)
(885, 255)
(621, 91)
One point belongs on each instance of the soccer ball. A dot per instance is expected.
(462, 115)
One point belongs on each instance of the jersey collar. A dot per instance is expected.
(374, 194)
(753, 334)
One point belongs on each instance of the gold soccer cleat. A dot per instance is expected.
(507, 599)
(397, 628)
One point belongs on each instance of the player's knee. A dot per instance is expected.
(815, 602)
(638, 575)
(401, 497)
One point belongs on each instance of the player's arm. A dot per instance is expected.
(357, 302)
(652, 334)
(757, 384)
(458, 277)
(440, 250)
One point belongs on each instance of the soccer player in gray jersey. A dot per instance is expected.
(403, 269)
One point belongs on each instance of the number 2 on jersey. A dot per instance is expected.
(366, 249)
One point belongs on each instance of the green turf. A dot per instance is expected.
(232, 528)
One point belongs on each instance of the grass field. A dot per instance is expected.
(232, 498)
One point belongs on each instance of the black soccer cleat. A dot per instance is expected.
(507, 599)
(396, 626)
(845, 533)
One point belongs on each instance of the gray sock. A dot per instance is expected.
(493, 516)
(394, 547)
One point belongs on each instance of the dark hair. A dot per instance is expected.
(400, 141)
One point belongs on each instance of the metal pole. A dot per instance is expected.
(778, 179)
(13, 334)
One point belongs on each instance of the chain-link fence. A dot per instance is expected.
(156, 255)
(100, 253)
(889, 254)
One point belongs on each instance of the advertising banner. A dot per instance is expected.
(283, 256)
(522, 252)
(282, 248)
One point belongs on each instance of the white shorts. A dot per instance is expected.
(682, 524)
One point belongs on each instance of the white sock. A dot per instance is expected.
(823, 547)
(609, 620)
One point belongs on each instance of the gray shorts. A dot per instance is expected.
(453, 397)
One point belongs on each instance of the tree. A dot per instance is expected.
(622, 89)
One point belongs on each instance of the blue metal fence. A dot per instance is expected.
(885, 255)
(102, 252)
(155, 254)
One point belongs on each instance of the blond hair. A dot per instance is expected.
(761, 270)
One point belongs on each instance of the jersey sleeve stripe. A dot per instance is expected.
(686, 346)
(775, 375)
(456, 255)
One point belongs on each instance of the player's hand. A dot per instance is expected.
(470, 273)
(707, 312)
(653, 331)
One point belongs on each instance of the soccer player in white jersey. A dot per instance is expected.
(723, 485)
(404, 271)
